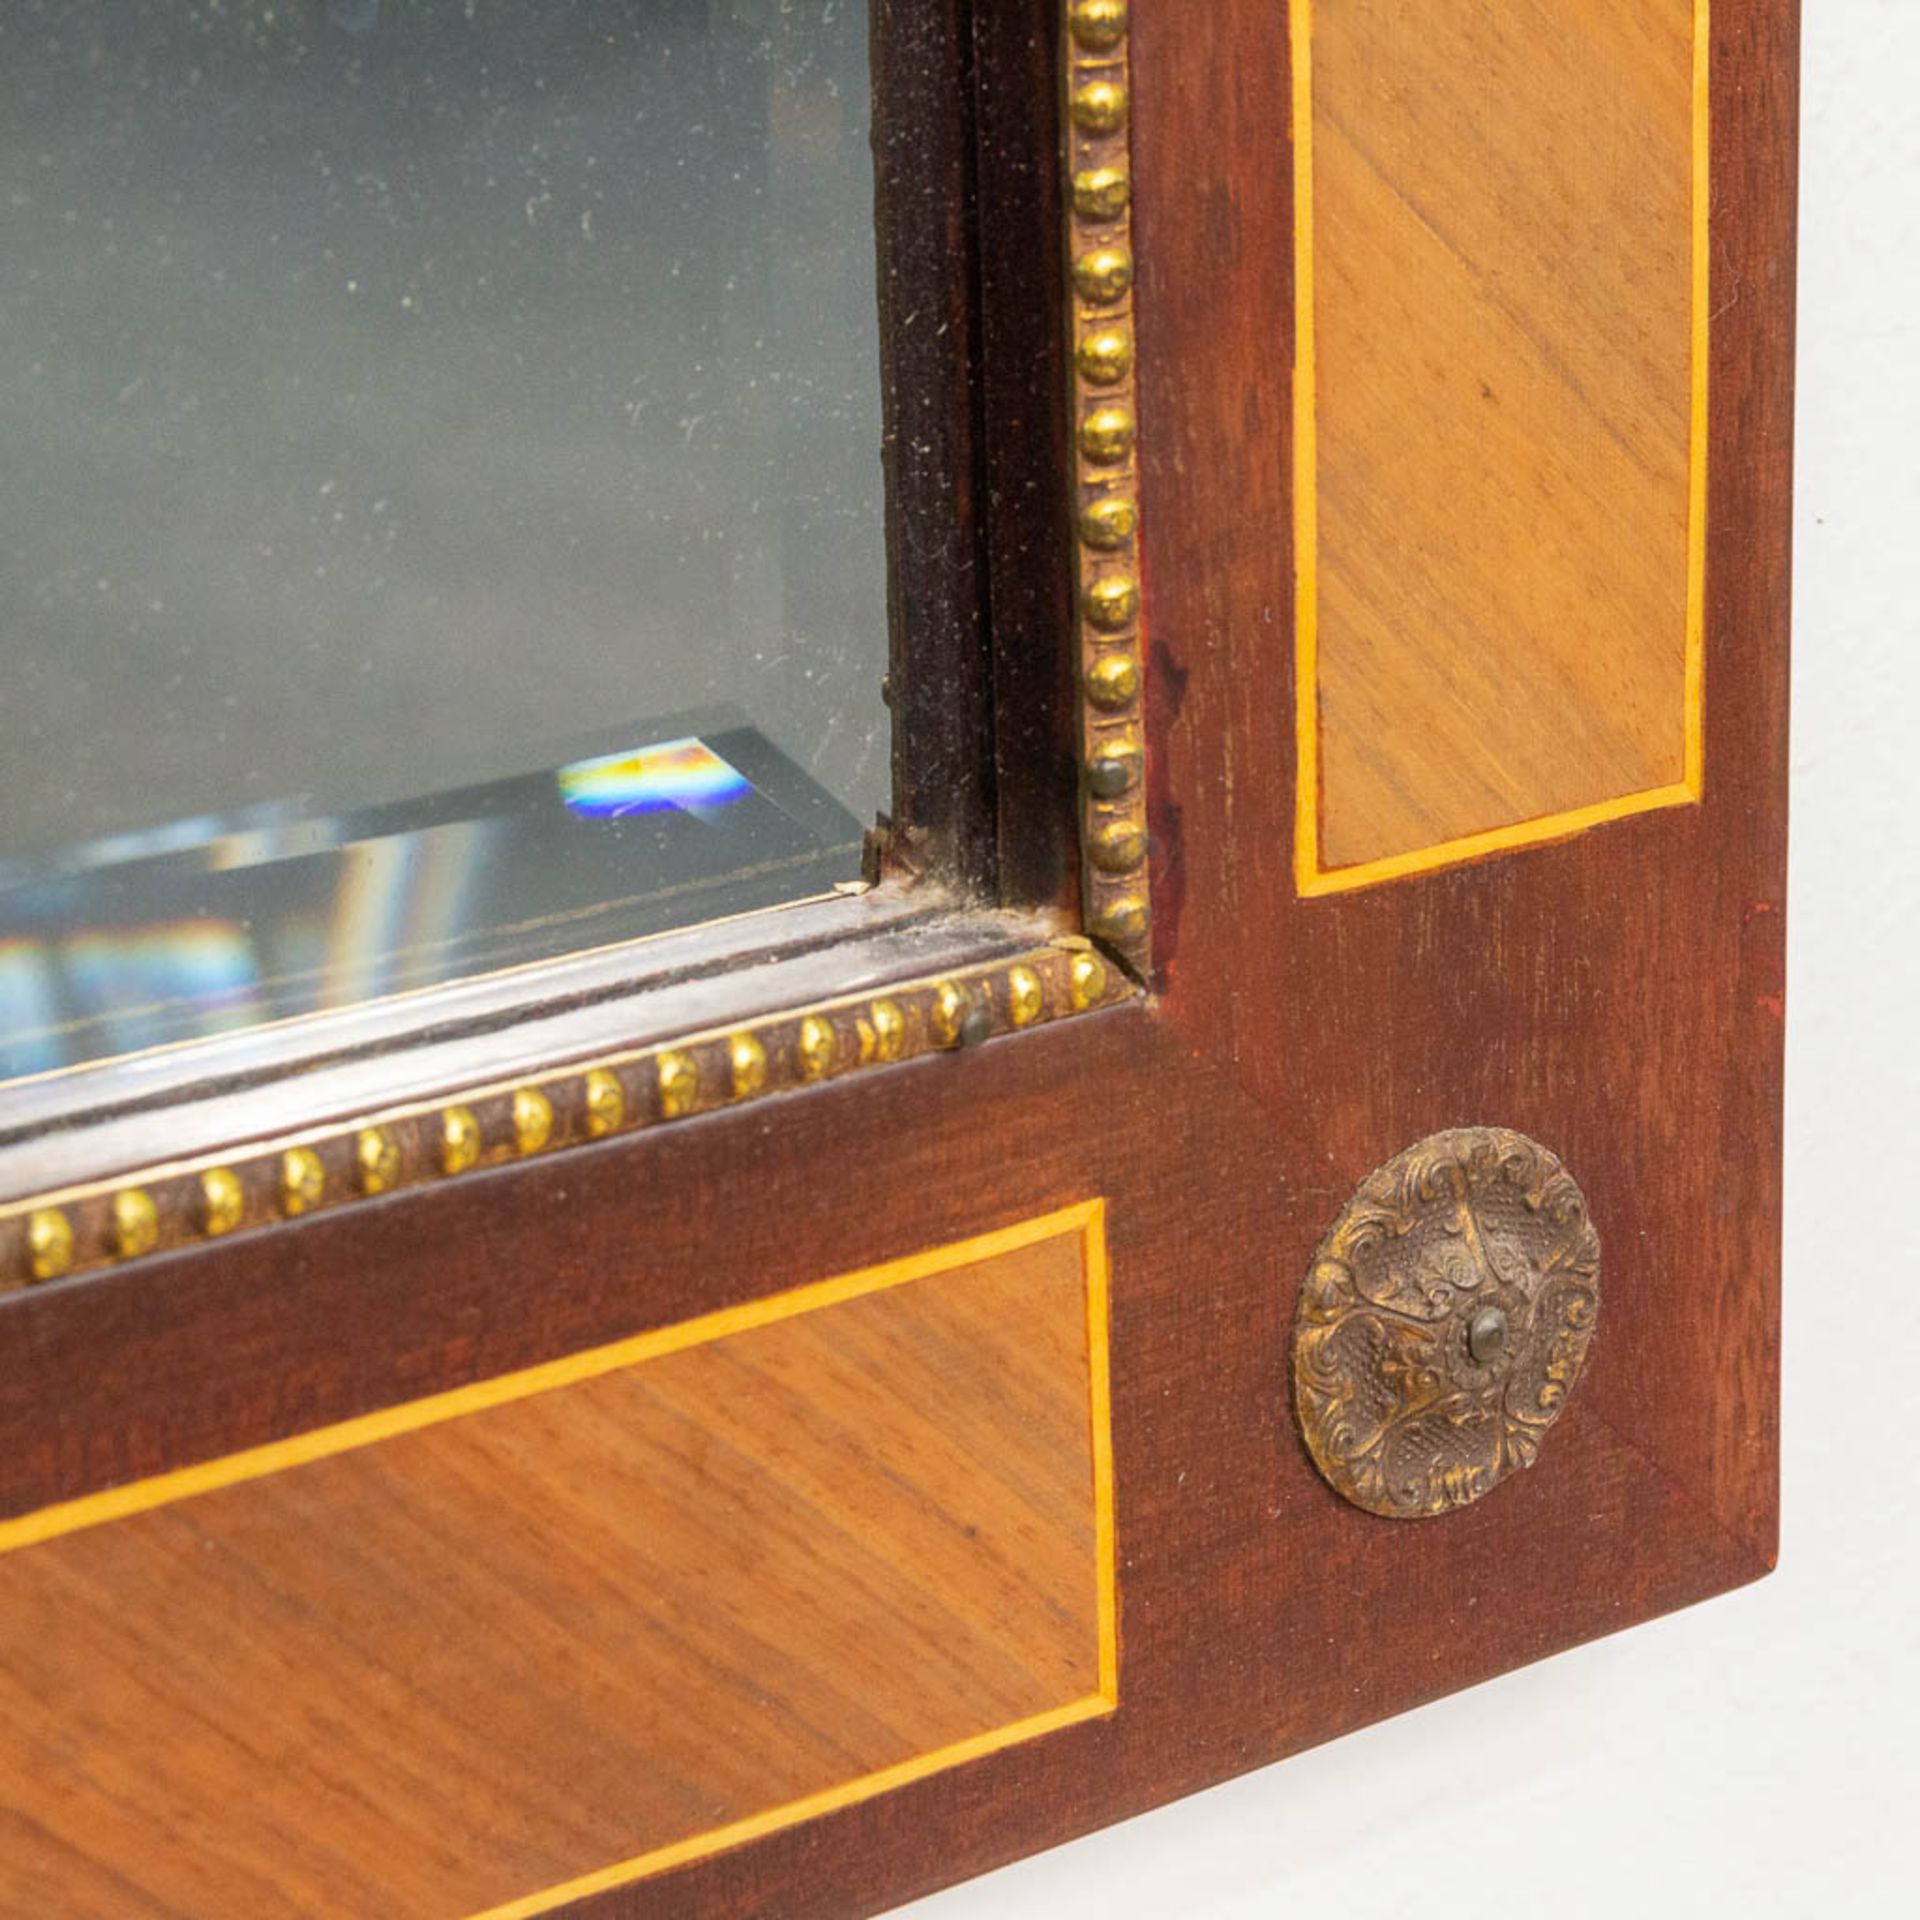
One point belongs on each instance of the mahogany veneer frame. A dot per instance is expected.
(1616, 995)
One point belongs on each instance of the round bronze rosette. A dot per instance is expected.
(1444, 1322)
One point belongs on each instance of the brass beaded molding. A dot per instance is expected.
(1106, 508)
(168, 1208)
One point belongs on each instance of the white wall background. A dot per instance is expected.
(1755, 1756)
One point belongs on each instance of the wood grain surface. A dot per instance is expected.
(574, 1625)
(1497, 430)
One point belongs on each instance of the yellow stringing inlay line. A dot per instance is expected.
(1087, 1219)
(1310, 877)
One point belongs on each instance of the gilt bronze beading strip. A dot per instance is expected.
(1113, 788)
(168, 1208)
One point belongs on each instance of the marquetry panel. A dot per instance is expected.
(563, 1629)
(1500, 422)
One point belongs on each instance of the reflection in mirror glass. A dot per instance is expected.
(440, 508)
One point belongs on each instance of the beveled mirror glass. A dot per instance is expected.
(440, 509)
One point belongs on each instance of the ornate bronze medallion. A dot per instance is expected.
(1444, 1321)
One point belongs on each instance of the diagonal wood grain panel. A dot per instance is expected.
(1500, 408)
(573, 1630)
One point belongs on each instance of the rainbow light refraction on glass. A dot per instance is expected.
(683, 774)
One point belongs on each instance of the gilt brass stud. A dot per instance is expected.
(948, 1010)
(376, 1159)
(1100, 193)
(136, 1223)
(747, 1063)
(1487, 1335)
(1104, 358)
(1113, 770)
(223, 1200)
(1111, 603)
(679, 1082)
(1122, 922)
(1100, 107)
(303, 1181)
(459, 1140)
(1098, 25)
(532, 1119)
(1026, 997)
(49, 1243)
(1106, 435)
(1117, 846)
(816, 1047)
(1104, 275)
(1113, 681)
(889, 1030)
(1087, 981)
(1108, 523)
(606, 1103)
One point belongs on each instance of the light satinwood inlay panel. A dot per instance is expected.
(662, 1598)
(1500, 422)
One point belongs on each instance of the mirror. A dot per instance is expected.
(441, 512)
